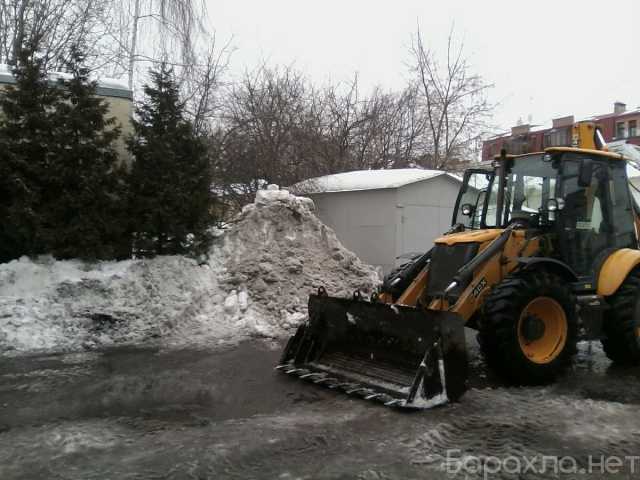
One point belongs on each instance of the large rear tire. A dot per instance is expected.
(528, 327)
(622, 323)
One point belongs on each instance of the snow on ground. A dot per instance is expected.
(255, 282)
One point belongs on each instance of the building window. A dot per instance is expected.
(557, 138)
(633, 128)
(620, 130)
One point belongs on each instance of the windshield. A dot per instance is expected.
(530, 182)
(471, 200)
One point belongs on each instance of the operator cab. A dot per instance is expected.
(578, 199)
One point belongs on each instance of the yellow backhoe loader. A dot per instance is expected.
(543, 251)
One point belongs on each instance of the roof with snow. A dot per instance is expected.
(367, 180)
(107, 87)
(631, 153)
(614, 114)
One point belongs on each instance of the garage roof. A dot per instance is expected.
(366, 180)
(107, 87)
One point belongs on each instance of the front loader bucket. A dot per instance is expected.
(400, 356)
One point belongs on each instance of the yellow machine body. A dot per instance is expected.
(415, 322)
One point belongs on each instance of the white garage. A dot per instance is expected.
(383, 214)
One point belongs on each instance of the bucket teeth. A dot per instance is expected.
(357, 390)
(351, 388)
(326, 380)
(346, 385)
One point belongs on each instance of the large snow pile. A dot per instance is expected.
(255, 282)
(278, 252)
(68, 305)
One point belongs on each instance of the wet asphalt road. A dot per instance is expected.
(135, 413)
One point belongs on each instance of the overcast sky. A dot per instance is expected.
(546, 58)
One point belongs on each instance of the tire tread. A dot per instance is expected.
(621, 344)
(498, 326)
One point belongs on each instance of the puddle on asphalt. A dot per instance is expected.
(228, 414)
(236, 382)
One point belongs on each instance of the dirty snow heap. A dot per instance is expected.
(256, 281)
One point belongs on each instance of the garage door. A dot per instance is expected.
(420, 225)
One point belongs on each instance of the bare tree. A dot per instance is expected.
(201, 85)
(341, 120)
(266, 110)
(409, 142)
(272, 129)
(50, 26)
(453, 100)
(277, 127)
(389, 130)
(153, 31)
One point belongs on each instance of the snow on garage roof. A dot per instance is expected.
(366, 180)
(107, 87)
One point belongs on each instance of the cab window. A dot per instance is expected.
(594, 217)
(531, 181)
(471, 199)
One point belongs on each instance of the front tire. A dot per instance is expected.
(528, 327)
(622, 323)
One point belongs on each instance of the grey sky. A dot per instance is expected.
(546, 58)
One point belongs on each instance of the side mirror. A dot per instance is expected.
(585, 174)
(467, 209)
(555, 204)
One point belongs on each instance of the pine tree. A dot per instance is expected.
(171, 174)
(26, 139)
(84, 215)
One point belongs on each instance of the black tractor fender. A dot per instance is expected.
(556, 266)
